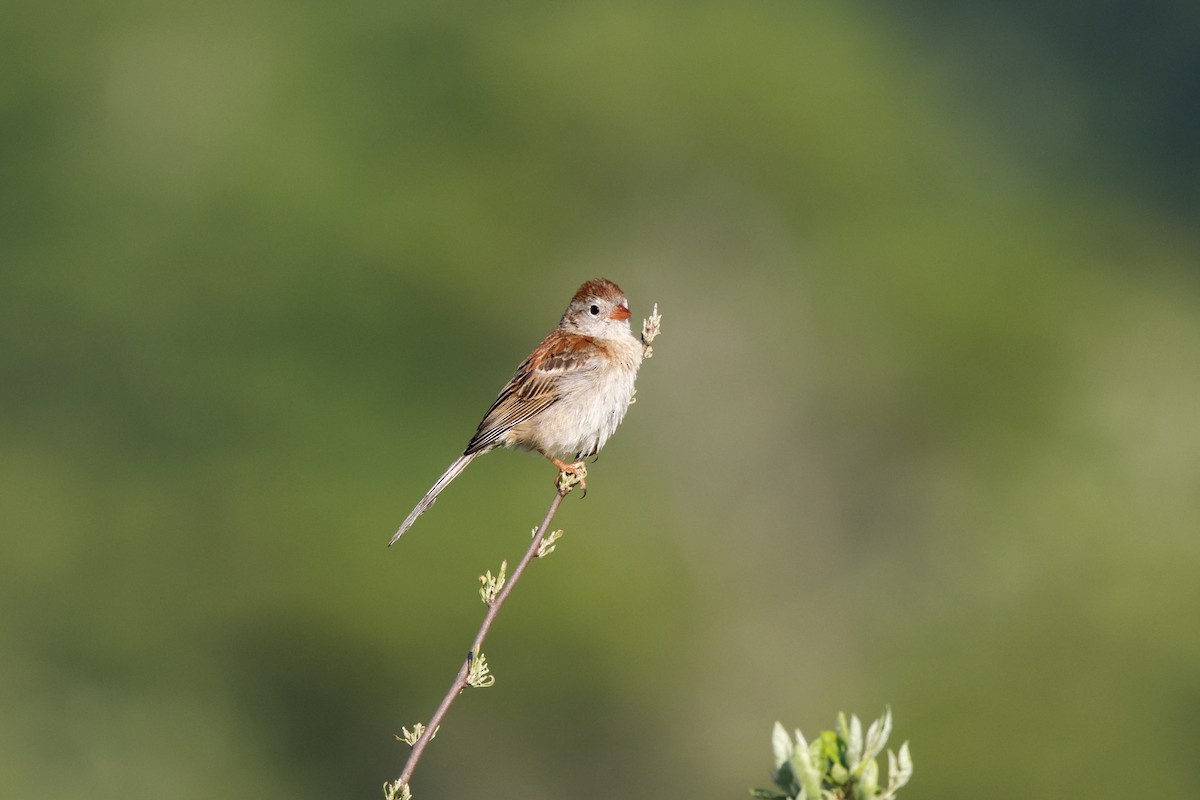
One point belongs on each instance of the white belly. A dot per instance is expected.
(591, 407)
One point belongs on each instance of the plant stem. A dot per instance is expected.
(460, 680)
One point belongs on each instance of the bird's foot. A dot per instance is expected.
(570, 476)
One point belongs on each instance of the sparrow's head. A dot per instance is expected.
(599, 309)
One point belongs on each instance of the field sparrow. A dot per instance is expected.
(567, 397)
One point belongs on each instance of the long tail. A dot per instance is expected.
(431, 496)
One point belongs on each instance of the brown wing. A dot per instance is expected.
(533, 389)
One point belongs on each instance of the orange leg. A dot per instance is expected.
(578, 469)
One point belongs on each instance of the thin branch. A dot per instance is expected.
(542, 544)
(460, 680)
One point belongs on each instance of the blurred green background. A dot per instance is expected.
(922, 427)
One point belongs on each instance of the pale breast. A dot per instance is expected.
(592, 404)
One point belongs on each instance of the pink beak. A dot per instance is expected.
(620, 312)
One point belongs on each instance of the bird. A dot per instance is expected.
(567, 398)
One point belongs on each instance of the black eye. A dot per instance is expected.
(595, 309)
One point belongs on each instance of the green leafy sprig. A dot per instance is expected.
(837, 765)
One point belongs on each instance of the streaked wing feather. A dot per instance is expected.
(533, 388)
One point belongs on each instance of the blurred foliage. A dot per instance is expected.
(930, 361)
(1117, 78)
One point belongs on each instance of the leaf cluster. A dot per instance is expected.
(837, 765)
